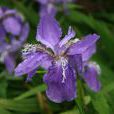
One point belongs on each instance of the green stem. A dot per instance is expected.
(80, 98)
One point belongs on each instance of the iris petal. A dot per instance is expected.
(12, 25)
(29, 64)
(76, 62)
(91, 77)
(58, 91)
(48, 32)
(70, 35)
(86, 47)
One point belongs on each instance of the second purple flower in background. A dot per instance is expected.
(13, 33)
(49, 6)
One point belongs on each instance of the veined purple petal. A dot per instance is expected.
(30, 49)
(9, 62)
(57, 90)
(89, 52)
(32, 62)
(86, 47)
(29, 64)
(12, 25)
(48, 32)
(47, 62)
(91, 76)
(76, 62)
(70, 35)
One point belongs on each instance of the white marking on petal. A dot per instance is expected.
(64, 63)
(72, 42)
(75, 40)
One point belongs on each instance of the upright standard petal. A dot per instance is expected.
(57, 90)
(48, 32)
(92, 70)
(86, 47)
(9, 62)
(71, 34)
(29, 64)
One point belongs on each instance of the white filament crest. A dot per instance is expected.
(64, 63)
(28, 48)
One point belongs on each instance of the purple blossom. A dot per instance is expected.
(13, 33)
(49, 6)
(63, 59)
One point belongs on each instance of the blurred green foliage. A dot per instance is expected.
(19, 97)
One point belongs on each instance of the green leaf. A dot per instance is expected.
(72, 6)
(71, 112)
(3, 111)
(31, 92)
(80, 99)
(87, 100)
(107, 75)
(108, 88)
(100, 104)
(25, 105)
(3, 86)
(30, 14)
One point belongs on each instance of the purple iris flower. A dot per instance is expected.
(13, 33)
(63, 59)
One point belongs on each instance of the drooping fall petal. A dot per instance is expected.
(57, 90)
